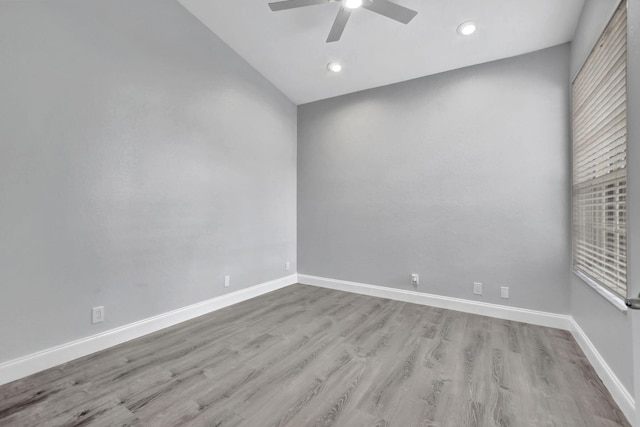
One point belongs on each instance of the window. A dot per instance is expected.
(599, 96)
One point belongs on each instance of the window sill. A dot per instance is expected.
(614, 299)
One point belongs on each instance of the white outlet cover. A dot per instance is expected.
(287, 266)
(97, 315)
(415, 279)
(477, 288)
(504, 292)
(227, 281)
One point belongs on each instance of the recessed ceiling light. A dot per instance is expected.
(467, 28)
(353, 4)
(334, 66)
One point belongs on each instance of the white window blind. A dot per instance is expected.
(599, 95)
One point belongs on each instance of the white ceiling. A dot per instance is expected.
(288, 47)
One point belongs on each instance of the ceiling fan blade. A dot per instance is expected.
(338, 25)
(390, 10)
(292, 4)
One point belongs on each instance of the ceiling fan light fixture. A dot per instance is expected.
(467, 28)
(387, 8)
(353, 4)
(334, 67)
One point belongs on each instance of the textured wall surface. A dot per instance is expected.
(633, 183)
(608, 328)
(141, 160)
(459, 177)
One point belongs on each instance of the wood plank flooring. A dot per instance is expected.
(306, 356)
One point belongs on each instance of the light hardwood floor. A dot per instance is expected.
(306, 356)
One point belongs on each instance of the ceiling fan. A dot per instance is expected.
(382, 7)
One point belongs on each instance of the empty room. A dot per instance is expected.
(320, 213)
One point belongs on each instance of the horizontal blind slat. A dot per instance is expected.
(599, 117)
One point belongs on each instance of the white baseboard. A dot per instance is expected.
(541, 318)
(619, 393)
(36, 362)
(27, 365)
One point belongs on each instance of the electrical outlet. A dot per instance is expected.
(477, 288)
(504, 292)
(415, 279)
(287, 266)
(97, 315)
(227, 281)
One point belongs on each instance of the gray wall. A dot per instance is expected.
(608, 328)
(633, 131)
(633, 182)
(459, 177)
(141, 160)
